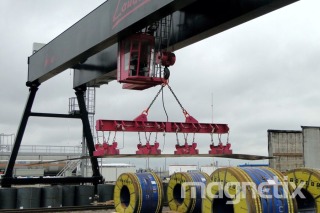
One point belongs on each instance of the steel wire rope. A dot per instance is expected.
(122, 141)
(174, 95)
(165, 111)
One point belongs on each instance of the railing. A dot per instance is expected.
(43, 149)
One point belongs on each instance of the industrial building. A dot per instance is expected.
(293, 149)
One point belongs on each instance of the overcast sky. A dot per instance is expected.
(263, 74)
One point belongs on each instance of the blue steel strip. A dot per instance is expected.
(149, 192)
(281, 201)
(254, 175)
(200, 178)
(275, 204)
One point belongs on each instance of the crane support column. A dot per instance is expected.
(33, 88)
(80, 91)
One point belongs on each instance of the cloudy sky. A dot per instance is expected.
(263, 74)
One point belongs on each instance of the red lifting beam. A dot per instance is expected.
(159, 126)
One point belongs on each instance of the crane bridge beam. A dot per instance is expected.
(90, 45)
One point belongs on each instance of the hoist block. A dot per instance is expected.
(148, 149)
(186, 149)
(106, 149)
(220, 149)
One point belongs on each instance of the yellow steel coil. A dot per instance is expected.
(139, 193)
(309, 181)
(192, 185)
(239, 187)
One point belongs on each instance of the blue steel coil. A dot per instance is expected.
(138, 192)
(272, 201)
(248, 190)
(180, 188)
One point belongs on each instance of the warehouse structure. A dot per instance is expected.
(293, 149)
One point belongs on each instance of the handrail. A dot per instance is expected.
(43, 149)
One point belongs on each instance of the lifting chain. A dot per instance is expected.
(108, 137)
(139, 138)
(147, 139)
(154, 99)
(177, 138)
(185, 136)
(228, 137)
(114, 138)
(183, 110)
(98, 142)
(164, 140)
(211, 134)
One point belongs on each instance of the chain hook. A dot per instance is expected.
(219, 137)
(211, 134)
(228, 138)
(177, 137)
(139, 138)
(114, 138)
(97, 137)
(147, 139)
(185, 136)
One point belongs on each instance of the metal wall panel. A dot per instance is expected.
(311, 141)
(287, 148)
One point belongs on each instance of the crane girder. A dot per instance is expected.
(90, 45)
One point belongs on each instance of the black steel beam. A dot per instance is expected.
(23, 123)
(54, 115)
(86, 129)
(95, 32)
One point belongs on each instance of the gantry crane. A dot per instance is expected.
(90, 47)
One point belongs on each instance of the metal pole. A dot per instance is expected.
(84, 153)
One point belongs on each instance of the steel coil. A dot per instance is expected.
(247, 190)
(138, 192)
(192, 185)
(308, 181)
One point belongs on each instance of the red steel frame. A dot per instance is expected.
(141, 124)
(160, 126)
